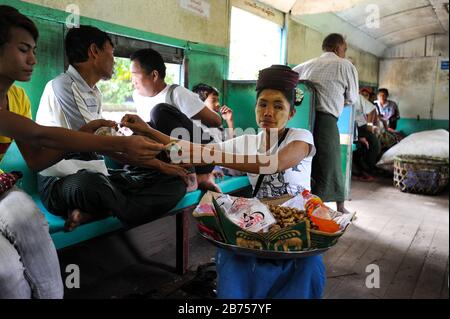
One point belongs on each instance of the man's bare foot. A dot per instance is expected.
(75, 219)
(206, 182)
(340, 207)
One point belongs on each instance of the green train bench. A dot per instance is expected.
(13, 161)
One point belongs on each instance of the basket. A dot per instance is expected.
(320, 240)
(421, 174)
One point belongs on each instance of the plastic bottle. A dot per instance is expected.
(313, 204)
(319, 213)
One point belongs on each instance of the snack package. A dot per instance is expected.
(108, 131)
(247, 213)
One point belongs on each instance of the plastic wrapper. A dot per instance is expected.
(108, 131)
(249, 214)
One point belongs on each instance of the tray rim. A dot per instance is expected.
(265, 254)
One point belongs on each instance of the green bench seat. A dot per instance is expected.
(13, 161)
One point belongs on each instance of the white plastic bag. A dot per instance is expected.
(69, 167)
(249, 214)
(427, 143)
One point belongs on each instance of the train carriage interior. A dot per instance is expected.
(402, 46)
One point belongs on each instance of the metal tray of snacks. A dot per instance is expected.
(265, 254)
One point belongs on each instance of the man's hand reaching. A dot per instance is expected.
(135, 123)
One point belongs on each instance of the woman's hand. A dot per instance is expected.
(93, 126)
(135, 123)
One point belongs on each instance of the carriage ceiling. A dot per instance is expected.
(400, 20)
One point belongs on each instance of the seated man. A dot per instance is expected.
(169, 108)
(72, 100)
(387, 110)
(368, 146)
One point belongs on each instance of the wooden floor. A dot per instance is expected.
(405, 235)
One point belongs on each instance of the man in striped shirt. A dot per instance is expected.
(336, 81)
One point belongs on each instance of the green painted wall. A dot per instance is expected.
(241, 97)
(206, 67)
(410, 126)
(50, 56)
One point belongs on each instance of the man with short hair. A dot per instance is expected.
(167, 108)
(135, 196)
(336, 81)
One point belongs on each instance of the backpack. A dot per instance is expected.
(169, 95)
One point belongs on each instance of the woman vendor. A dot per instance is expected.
(278, 161)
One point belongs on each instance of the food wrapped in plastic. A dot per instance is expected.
(108, 131)
(247, 213)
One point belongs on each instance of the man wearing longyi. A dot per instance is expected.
(336, 80)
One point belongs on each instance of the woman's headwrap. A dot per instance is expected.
(282, 78)
(277, 77)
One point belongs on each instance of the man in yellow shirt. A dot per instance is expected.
(18, 104)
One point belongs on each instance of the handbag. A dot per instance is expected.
(261, 177)
(8, 180)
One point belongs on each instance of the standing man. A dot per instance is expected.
(136, 196)
(336, 81)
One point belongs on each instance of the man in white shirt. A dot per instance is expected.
(169, 108)
(368, 146)
(72, 100)
(336, 81)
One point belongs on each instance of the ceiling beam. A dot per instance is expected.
(441, 9)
